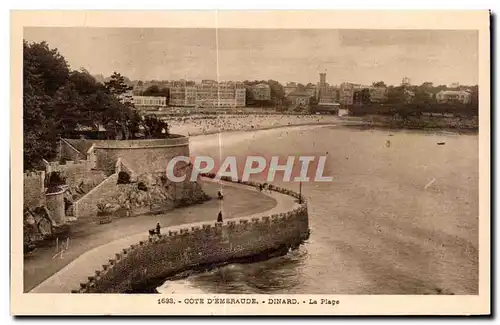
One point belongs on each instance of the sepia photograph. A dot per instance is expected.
(272, 170)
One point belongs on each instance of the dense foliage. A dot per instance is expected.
(277, 93)
(156, 91)
(58, 101)
(422, 99)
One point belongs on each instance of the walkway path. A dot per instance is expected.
(86, 234)
(85, 265)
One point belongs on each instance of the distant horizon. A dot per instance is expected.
(266, 80)
(442, 57)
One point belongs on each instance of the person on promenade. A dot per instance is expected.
(219, 217)
(219, 195)
(158, 228)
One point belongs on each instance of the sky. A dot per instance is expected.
(360, 56)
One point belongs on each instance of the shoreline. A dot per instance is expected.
(342, 122)
(383, 126)
(264, 128)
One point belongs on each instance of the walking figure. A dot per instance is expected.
(219, 217)
(158, 228)
(219, 195)
(261, 187)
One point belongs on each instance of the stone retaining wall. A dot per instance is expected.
(206, 243)
(33, 189)
(143, 156)
(105, 191)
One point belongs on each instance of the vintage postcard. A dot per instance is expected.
(250, 163)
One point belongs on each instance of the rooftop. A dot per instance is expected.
(452, 92)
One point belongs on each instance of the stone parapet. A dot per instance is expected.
(201, 244)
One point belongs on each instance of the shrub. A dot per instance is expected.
(55, 179)
(102, 207)
(142, 187)
(123, 178)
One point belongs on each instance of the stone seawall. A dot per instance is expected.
(141, 155)
(200, 244)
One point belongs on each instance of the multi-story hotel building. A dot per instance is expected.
(328, 95)
(346, 94)
(178, 95)
(208, 94)
(261, 92)
(240, 96)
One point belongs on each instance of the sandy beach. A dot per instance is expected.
(202, 125)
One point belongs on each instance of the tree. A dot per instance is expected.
(117, 85)
(155, 127)
(426, 85)
(396, 95)
(379, 84)
(57, 100)
(277, 89)
(313, 102)
(365, 96)
(473, 105)
(119, 114)
(154, 90)
(45, 71)
(422, 97)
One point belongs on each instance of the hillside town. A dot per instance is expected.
(182, 96)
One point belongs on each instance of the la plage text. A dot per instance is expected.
(254, 301)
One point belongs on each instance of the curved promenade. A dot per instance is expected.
(77, 274)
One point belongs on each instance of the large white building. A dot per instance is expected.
(261, 92)
(378, 94)
(149, 101)
(182, 95)
(461, 96)
(208, 94)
